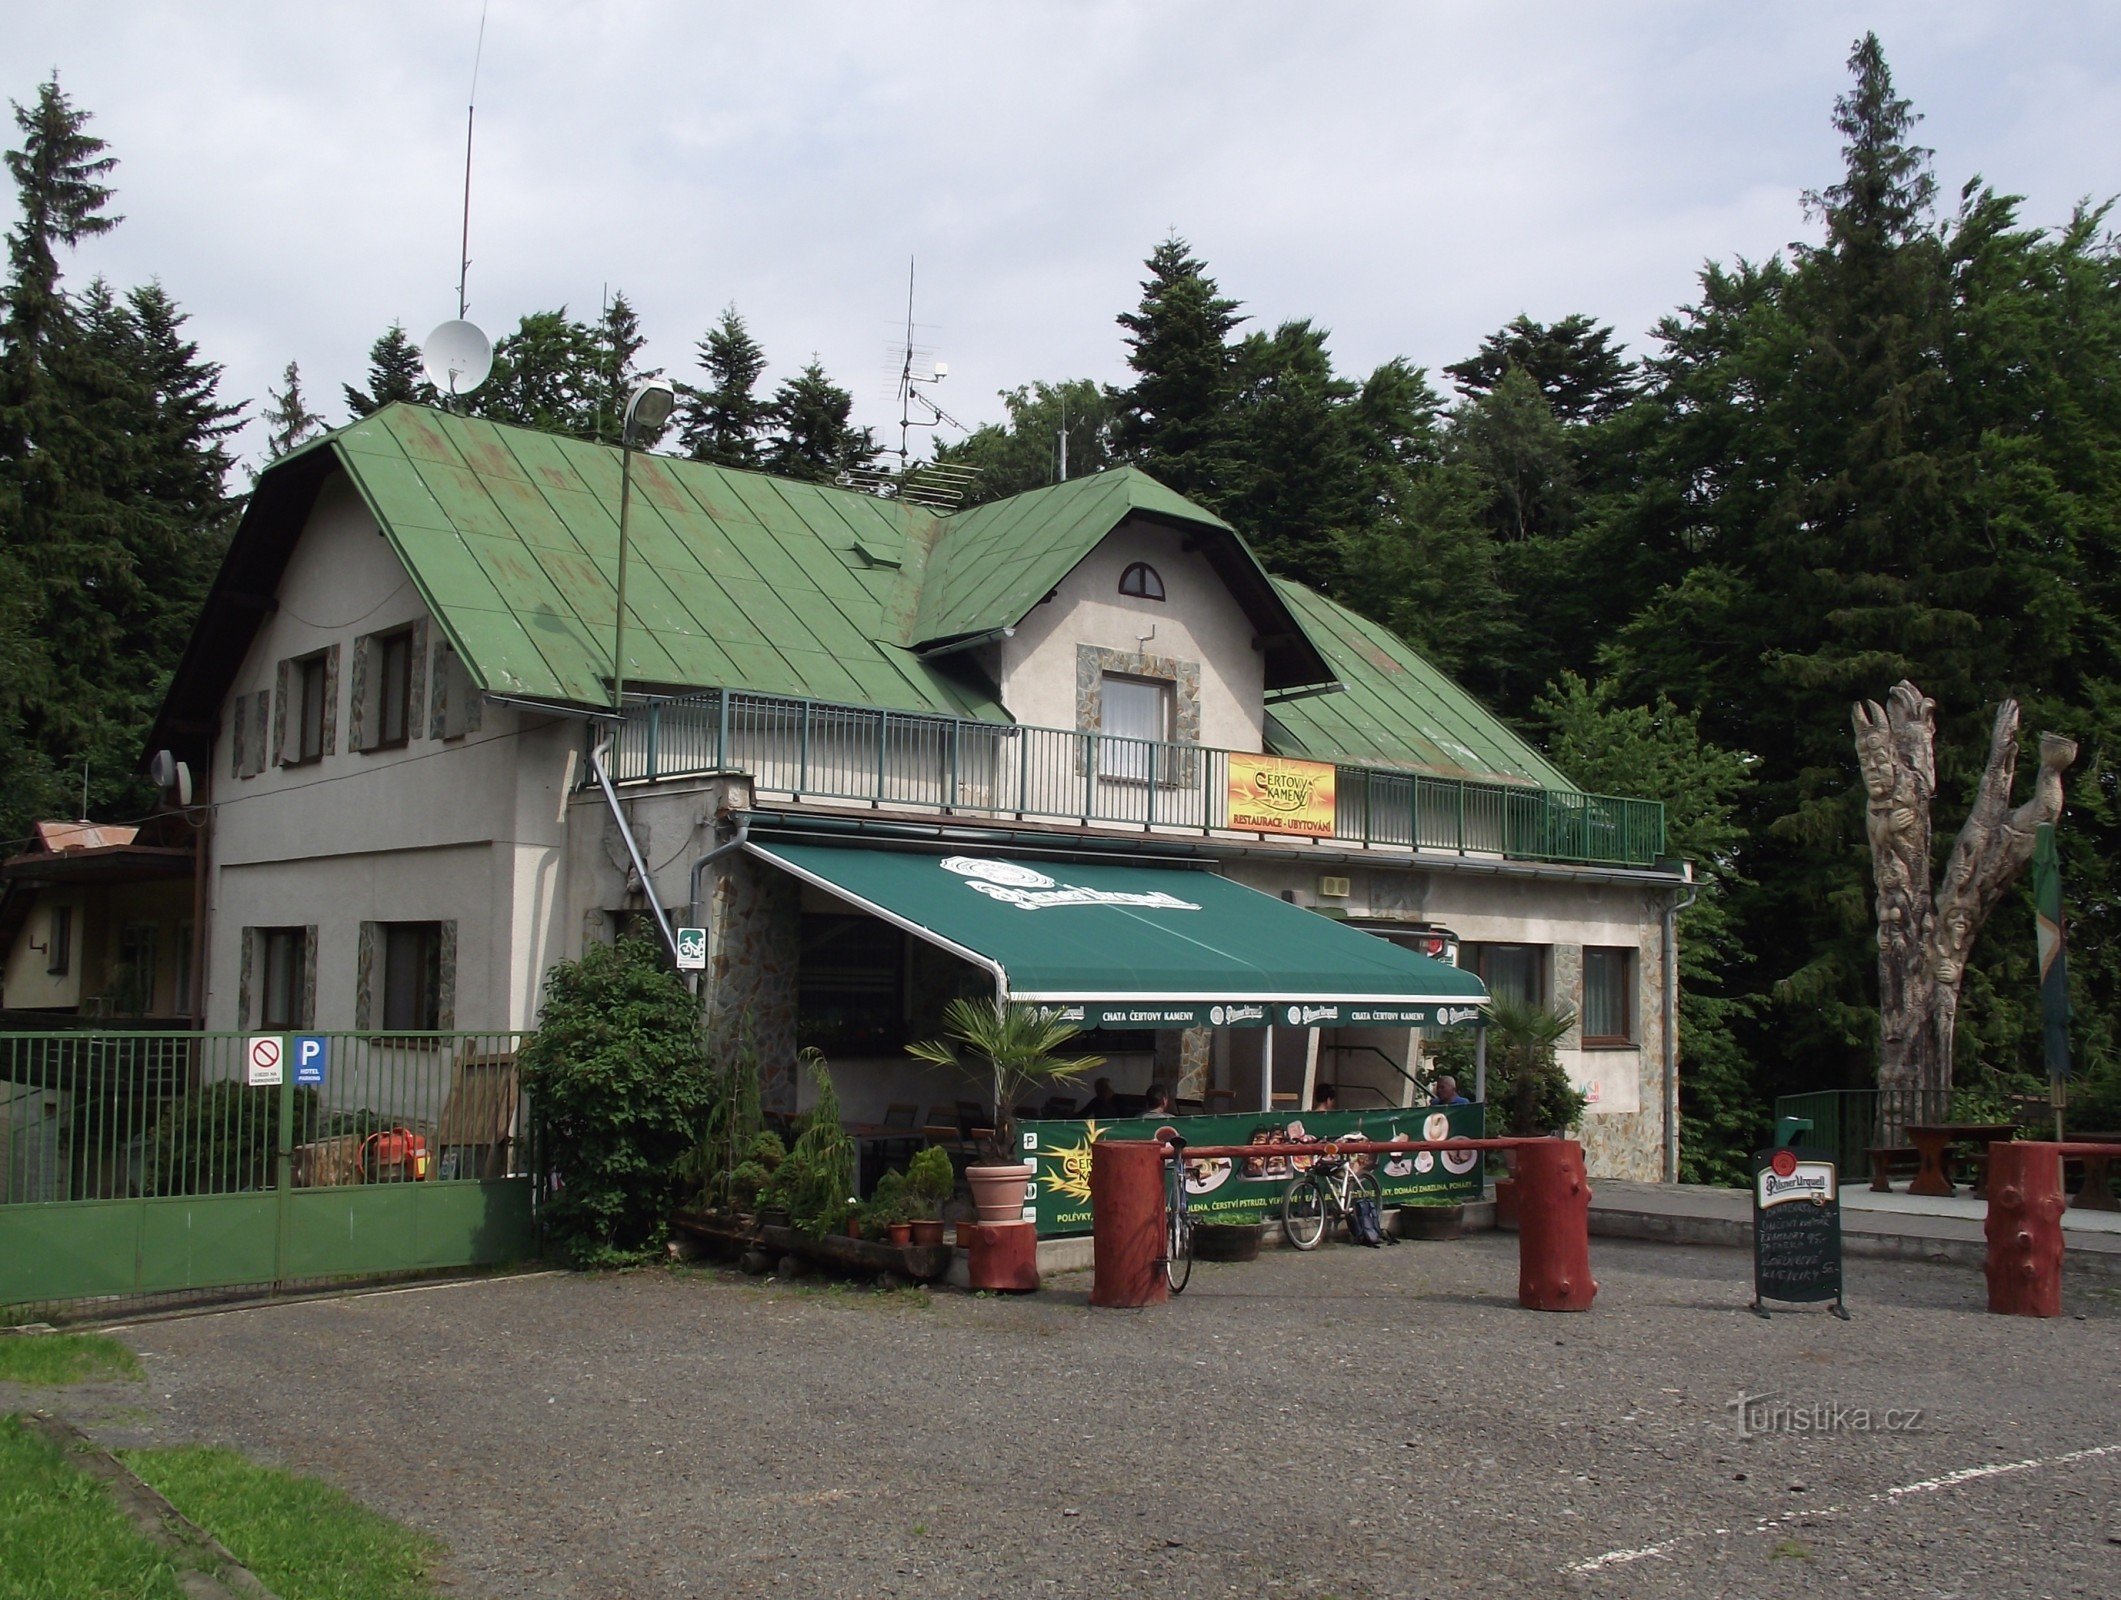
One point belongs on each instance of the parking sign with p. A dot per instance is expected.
(310, 1057)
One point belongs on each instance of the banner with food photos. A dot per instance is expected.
(1250, 1190)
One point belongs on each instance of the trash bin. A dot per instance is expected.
(1788, 1130)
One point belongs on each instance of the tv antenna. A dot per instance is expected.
(913, 375)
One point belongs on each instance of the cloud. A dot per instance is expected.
(1410, 176)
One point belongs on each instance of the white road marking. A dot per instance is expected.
(1949, 1480)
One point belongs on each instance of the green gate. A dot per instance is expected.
(140, 1164)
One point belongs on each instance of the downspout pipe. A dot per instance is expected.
(695, 907)
(597, 752)
(1672, 909)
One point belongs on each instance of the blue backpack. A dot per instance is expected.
(1365, 1226)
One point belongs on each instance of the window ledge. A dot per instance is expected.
(1611, 1044)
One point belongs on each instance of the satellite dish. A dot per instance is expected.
(457, 357)
(171, 775)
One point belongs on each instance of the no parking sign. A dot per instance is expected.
(264, 1059)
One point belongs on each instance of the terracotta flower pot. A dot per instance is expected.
(927, 1230)
(998, 1192)
(901, 1232)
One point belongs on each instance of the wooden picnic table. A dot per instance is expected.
(1932, 1141)
(2097, 1193)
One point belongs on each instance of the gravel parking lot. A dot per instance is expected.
(1348, 1423)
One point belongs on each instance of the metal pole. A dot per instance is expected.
(1480, 1063)
(618, 623)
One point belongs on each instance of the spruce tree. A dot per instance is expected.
(287, 418)
(1180, 419)
(612, 348)
(722, 420)
(813, 439)
(547, 375)
(1573, 361)
(395, 372)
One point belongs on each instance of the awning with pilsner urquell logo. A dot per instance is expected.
(1141, 947)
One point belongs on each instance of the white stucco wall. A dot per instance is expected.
(466, 830)
(1197, 621)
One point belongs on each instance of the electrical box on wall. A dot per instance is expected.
(1331, 888)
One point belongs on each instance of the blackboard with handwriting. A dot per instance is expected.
(1796, 1228)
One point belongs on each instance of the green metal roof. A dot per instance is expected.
(733, 578)
(1155, 945)
(996, 561)
(1397, 710)
(743, 581)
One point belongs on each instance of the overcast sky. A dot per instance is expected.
(1408, 175)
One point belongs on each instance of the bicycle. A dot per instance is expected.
(1331, 1186)
(1178, 1218)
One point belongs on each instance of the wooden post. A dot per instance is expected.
(1127, 1223)
(2024, 1229)
(1553, 1227)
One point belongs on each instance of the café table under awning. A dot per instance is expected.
(1118, 946)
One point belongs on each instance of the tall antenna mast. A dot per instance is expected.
(471, 112)
(910, 382)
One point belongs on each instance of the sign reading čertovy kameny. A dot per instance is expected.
(1251, 1190)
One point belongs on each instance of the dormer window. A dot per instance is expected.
(1140, 581)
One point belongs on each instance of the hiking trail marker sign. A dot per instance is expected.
(1796, 1228)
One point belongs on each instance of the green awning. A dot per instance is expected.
(1141, 947)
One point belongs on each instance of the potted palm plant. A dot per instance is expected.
(1011, 1050)
(1527, 1081)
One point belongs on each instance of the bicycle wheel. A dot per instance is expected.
(1178, 1248)
(1303, 1212)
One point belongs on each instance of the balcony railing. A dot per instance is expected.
(809, 748)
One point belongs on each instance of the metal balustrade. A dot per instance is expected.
(812, 749)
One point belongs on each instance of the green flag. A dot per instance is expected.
(2054, 962)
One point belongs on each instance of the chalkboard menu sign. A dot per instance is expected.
(1796, 1228)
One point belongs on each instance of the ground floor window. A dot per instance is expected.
(284, 962)
(407, 977)
(1608, 993)
(1515, 972)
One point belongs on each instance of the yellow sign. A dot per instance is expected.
(1271, 795)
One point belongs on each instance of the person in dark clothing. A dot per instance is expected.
(1101, 1102)
(1447, 1093)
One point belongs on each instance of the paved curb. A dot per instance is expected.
(206, 1570)
(1946, 1249)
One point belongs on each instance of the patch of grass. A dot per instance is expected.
(59, 1532)
(1790, 1550)
(44, 1359)
(304, 1539)
(840, 1292)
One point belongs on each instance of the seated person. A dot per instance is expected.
(1447, 1093)
(1157, 1103)
(1102, 1102)
(1326, 1099)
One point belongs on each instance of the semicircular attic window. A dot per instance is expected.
(1140, 581)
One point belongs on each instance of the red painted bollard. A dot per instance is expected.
(2024, 1229)
(1553, 1227)
(1001, 1256)
(1127, 1223)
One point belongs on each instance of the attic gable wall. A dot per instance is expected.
(1199, 624)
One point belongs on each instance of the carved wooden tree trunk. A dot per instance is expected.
(1925, 934)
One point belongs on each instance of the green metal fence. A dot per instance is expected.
(836, 752)
(1850, 1121)
(137, 1164)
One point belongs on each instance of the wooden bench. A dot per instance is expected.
(1887, 1159)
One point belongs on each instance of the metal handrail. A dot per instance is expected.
(824, 750)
